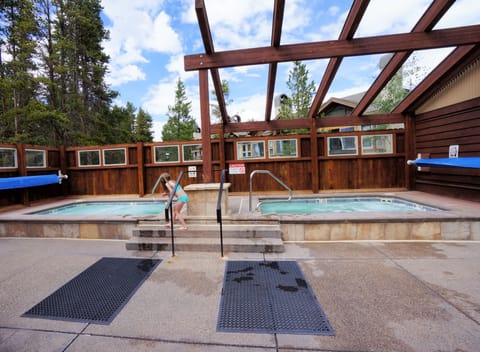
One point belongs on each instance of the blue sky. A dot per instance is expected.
(149, 39)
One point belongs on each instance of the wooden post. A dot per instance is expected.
(314, 155)
(63, 168)
(221, 150)
(205, 119)
(140, 170)
(410, 150)
(22, 171)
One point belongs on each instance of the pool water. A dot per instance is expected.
(107, 208)
(340, 205)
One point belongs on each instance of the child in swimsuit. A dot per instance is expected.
(182, 198)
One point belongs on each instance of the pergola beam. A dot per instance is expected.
(426, 23)
(349, 28)
(278, 11)
(209, 49)
(335, 48)
(332, 121)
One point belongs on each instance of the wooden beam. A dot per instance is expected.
(277, 23)
(206, 134)
(431, 17)
(336, 48)
(209, 49)
(331, 121)
(349, 28)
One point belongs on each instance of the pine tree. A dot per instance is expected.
(143, 127)
(301, 94)
(215, 109)
(18, 85)
(81, 68)
(180, 124)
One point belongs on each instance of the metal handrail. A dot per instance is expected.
(219, 209)
(274, 177)
(155, 187)
(168, 206)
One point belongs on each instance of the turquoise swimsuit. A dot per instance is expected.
(183, 198)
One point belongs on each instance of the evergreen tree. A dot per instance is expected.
(52, 69)
(396, 89)
(301, 94)
(215, 109)
(180, 124)
(116, 126)
(143, 127)
(18, 85)
(81, 68)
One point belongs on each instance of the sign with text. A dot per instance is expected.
(236, 169)
(192, 171)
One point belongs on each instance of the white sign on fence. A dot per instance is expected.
(236, 169)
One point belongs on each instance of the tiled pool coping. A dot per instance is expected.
(460, 220)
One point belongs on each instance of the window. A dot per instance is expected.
(8, 158)
(35, 158)
(166, 154)
(250, 150)
(342, 145)
(282, 148)
(377, 144)
(116, 156)
(89, 158)
(192, 152)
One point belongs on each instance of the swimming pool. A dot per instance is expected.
(340, 205)
(121, 208)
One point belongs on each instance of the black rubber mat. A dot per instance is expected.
(97, 294)
(269, 297)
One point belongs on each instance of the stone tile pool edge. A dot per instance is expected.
(459, 221)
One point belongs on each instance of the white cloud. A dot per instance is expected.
(157, 127)
(462, 13)
(249, 108)
(382, 17)
(236, 24)
(125, 74)
(175, 67)
(136, 28)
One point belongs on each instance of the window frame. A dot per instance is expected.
(114, 149)
(192, 160)
(240, 152)
(275, 141)
(157, 147)
(373, 150)
(79, 159)
(342, 139)
(44, 159)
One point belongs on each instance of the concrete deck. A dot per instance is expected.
(378, 297)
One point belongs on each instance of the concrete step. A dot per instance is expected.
(210, 230)
(209, 244)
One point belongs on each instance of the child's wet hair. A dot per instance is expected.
(164, 178)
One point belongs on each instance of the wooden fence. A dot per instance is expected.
(459, 125)
(347, 161)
